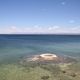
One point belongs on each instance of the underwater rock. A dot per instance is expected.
(49, 58)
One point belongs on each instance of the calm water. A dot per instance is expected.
(14, 47)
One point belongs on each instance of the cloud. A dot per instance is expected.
(40, 30)
(12, 29)
(63, 3)
(53, 28)
(71, 21)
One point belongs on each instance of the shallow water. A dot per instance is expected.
(15, 47)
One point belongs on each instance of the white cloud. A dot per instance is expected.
(53, 28)
(41, 30)
(63, 3)
(12, 29)
(71, 21)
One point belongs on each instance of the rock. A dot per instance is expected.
(49, 58)
(45, 77)
(45, 57)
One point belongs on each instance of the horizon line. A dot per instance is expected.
(38, 34)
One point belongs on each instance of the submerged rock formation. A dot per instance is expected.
(49, 58)
(44, 57)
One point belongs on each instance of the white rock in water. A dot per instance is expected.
(46, 56)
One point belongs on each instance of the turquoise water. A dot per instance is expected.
(15, 47)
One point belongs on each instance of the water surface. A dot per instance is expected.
(14, 47)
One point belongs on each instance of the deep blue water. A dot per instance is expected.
(14, 47)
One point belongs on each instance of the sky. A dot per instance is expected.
(39, 16)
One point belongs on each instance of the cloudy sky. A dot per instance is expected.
(40, 16)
